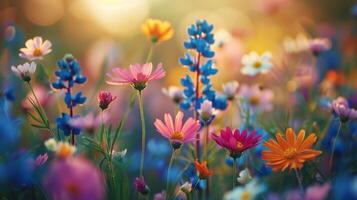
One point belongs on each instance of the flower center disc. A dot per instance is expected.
(177, 136)
(240, 145)
(37, 52)
(257, 64)
(290, 153)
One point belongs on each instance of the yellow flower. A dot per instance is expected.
(291, 152)
(65, 150)
(157, 30)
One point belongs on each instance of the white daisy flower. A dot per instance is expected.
(254, 64)
(207, 111)
(244, 176)
(24, 71)
(248, 192)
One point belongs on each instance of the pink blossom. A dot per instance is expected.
(319, 45)
(179, 132)
(138, 75)
(35, 49)
(41, 159)
(105, 98)
(344, 112)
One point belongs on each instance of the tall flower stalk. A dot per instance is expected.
(201, 63)
(69, 74)
(143, 132)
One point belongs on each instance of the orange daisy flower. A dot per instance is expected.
(157, 30)
(291, 152)
(203, 171)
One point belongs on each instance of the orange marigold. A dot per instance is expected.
(291, 152)
(202, 170)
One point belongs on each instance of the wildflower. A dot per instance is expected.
(319, 45)
(138, 76)
(236, 142)
(248, 192)
(174, 93)
(65, 150)
(256, 97)
(68, 179)
(200, 42)
(88, 122)
(291, 152)
(41, 159)
(186, 187)
(230, 89)
(141, 186)
(244, 176)
(51, 144)
(207, 112)
(69, 74)
(157, 30)
(254, 64)
(203, 171)
(105, 98)
(24, 71)
(179, 132)
(35, 49)
(343, 111)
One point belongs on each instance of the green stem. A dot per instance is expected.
(234, 173)
(299, 180)
(205, 147)
(334, 147)
(168, 174)
(142, 133)
(148, 57)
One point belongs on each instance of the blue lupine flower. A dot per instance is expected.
(200, 40)
(9, 94)
(69, 74)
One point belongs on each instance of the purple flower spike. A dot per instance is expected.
(141, 186)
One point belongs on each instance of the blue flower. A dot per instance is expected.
(200, 40)
(69, 74)
(63, 124)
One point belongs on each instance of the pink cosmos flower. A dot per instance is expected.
(137, 76)
(344, 112)
(43, 97)
(317, 192)
(236, 142)
(258, 98)
(35, 49)
(105, 98)
(179, 132)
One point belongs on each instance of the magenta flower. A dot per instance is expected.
(343, 111)
(141, 186)
(138, 76)
(41, 159)
(178, 133)
(236, 142)
(104, 99)
(317, 192)
(74, 179)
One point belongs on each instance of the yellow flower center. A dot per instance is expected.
(245, 195)
(257, 64)
(254, 100)
(290, 153)
(37, 52)
(177, 136)
(239, 145)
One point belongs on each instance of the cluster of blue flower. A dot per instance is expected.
(200, 41)
(69, 74)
